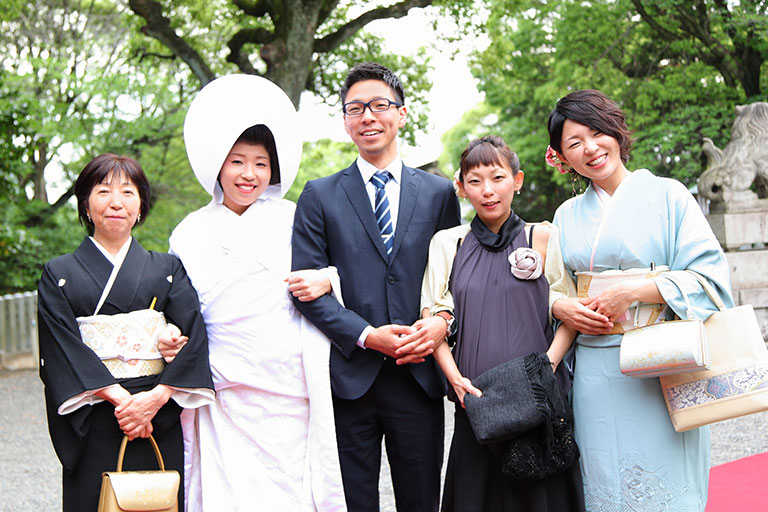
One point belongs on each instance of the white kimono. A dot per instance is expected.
(268, 442)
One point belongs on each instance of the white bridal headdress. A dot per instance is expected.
(224, 109)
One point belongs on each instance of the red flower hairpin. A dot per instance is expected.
(554, 161)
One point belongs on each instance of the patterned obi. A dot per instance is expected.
(127, 342)
(592, 284)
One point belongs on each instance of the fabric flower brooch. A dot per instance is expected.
(525, 263)
(554, 161)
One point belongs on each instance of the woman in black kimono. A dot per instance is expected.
(90, 402)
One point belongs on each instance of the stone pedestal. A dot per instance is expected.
(749, 279)
(744, 236)
(736, 229)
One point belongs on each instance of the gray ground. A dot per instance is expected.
(30, 473)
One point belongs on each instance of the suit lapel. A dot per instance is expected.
(353, 186)
(409, 191)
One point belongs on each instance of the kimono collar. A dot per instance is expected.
(498, 242)
(117, 259)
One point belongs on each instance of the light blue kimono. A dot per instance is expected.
(631, 457)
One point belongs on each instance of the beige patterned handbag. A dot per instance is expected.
(665, 348)
(737, 382)
(139, 491)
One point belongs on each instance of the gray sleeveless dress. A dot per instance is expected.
(500, 318)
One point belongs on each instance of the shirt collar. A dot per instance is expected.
(367, 169)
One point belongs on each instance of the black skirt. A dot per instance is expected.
(474, 481)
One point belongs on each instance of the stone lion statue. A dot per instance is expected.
(732, 172)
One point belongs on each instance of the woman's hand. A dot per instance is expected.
(462, 386)
(135, 415)
(171, 342)
(576, 314)
(308, 285)
(114, 394)
(554, 360)
(614, 302)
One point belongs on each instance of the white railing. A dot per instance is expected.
(18, 330)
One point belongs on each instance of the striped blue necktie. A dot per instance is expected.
(381, 210)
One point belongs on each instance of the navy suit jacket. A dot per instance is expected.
(335, 226)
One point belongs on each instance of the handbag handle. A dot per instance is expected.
(710, 291)
(121, 454)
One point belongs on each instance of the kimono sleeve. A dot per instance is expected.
(68, 367)
(693, 247)
(190, 369)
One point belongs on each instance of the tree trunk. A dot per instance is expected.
(289, 56)
(40, 161)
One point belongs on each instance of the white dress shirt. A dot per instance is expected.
(392, 189)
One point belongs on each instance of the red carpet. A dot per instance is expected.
(739, 486)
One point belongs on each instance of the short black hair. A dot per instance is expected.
(594, 109)
(373, 71)
(490, 150)
(260, 135)
(105, 168)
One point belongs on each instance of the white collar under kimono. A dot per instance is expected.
(117, 263)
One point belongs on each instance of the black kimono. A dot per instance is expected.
(87, 440)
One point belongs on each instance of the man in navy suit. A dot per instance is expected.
(385, 383)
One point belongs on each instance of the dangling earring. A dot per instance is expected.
(89, 217)
(138, 218)
(518, 192)
(576, 179)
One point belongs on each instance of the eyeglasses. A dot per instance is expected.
(376, 106)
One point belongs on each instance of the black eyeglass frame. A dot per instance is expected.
(367, 104)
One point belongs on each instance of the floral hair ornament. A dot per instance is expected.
(554, 161)
(456, 180)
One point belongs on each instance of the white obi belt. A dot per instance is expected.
(126, 342)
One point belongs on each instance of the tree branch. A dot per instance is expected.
(159, 27)
(244, 36)
(651, 21)
(256, 9)
(38, 218)
(144, 55)
(398, 10)
(326, 10)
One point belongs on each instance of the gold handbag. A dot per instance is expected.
(139, 491)
(737, 383)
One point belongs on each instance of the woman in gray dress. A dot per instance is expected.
(490, 275)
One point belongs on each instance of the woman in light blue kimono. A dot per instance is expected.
(631, 457)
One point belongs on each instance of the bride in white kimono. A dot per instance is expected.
(631, 457)
(268, 441)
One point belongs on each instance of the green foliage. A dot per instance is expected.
(541, 51)
(412, 70)
(24, 251)
(321, 158)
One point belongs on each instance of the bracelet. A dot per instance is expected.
(447, 325)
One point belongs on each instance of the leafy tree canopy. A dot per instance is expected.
(648, 56)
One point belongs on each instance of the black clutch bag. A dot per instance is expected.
(524, 418)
